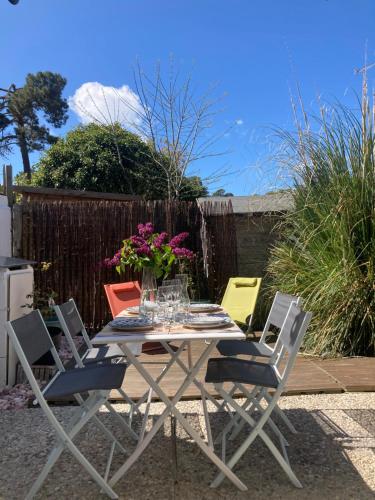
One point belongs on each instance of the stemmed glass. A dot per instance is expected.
(176, 291)
(165, 304)
(172, 282)
(182, 281)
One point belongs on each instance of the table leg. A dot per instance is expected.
(196, 382)
(171, 408)
(174, 355)
(190, 356)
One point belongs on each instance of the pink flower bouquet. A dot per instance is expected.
(149, 249)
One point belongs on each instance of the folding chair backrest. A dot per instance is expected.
(280, 307)
(240, 298)
(32, 336)
(72, 324)
(122, 295)
(31, 340)
(278, 312)
(71, 317)
(291, 336)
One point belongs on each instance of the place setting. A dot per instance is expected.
(198, 307)
(134, 310)
(128, 324)
(207, 321)
(168, 307)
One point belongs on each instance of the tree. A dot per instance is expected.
(192, 188)
(221, 192)
(172, 119)
(175, 120)
(106, 158)
(20, 110)
(5, 138)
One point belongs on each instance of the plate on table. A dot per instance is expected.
(200, 308)
(208, 322)
(131, 324)
(133, 310)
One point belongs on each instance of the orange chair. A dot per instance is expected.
(123, 295)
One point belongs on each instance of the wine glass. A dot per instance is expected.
(185, 299)
(176, 291)
(164, 301)
(172, 282)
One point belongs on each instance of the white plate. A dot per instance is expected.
(204, 308)
(207, 322)
(133, 310)
(131, 324)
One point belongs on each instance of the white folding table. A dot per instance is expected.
(209, 338)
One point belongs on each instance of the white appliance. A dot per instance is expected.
(16, 283)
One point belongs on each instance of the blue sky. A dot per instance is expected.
(254, 50)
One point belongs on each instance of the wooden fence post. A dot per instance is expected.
(17, 230)
(8, 183)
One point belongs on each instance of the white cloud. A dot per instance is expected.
(94, 102)
(239, 121)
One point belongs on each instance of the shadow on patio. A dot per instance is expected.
(319, 454)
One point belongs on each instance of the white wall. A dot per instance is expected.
(5, 228)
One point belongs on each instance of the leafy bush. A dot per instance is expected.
(107, 158)
(327, 250)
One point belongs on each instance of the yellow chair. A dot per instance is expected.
(240, 298)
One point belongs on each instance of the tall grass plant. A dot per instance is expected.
(327, 250)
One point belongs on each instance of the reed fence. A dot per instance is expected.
(73, 238)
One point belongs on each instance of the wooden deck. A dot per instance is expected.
(310, 376)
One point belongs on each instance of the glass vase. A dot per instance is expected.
(148, 304)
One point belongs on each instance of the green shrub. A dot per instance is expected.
(107, 158)
(327, 250)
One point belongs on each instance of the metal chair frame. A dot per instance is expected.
(276, 316)
(289, 342)
(81, 361)
(86, 410)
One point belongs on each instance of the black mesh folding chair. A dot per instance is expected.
(276, 317)
(31, 340)
(72, 326)
(269, 380)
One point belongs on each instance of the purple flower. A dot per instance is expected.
(144, 250)
(115, 261)
(159, 240)
(137, 241)
(145, 230)
(178, 239)
(183, 253)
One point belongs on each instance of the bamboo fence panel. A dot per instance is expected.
(74, 238)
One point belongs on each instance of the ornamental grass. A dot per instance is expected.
(326, 253)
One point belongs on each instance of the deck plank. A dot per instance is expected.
(309, 376)
(354, 374)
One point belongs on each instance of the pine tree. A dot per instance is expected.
(21, 110)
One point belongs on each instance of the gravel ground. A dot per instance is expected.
(333, 455)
